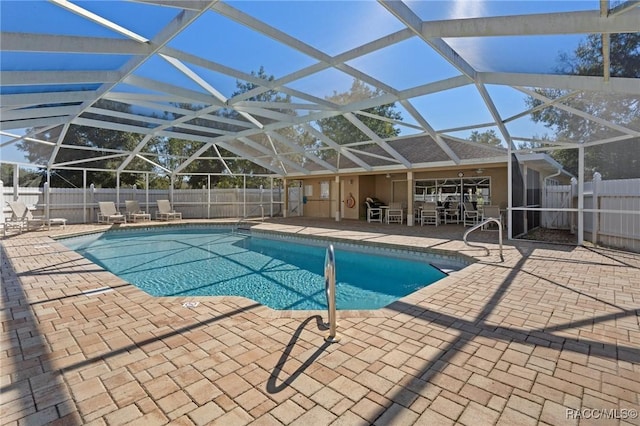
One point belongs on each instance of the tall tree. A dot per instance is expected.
(85, 136)
(488, 137)
(342, 131)
(27, 177)
(536, 143)
(613, 160)
(236, 165)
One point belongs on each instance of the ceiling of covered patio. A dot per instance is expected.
(172, 69)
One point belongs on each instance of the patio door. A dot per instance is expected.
(295, 201)
(399, 192)
(476, 190)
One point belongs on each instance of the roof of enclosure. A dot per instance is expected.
(173, 69)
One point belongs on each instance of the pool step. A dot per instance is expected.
(245, 224)
(243, 227)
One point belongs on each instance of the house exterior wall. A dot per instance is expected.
(314, 204)
(350, 187)
(388, 188)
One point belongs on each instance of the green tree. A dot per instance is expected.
(616, 160)
(6, 174)
(85, 136)
(27, 178)
(342, 131)
(537, 142)
(488, 137)
(183, 148)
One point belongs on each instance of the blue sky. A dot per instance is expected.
(331, 27)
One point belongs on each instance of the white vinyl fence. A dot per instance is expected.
(611, 216)
(557, 197)
(81, 206)
(620, 230)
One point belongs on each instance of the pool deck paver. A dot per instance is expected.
(547, 334)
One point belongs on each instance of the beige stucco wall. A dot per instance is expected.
(499, 187)
(388, 189)
(316, 206)
(351, 188)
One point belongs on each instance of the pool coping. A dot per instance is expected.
(386, 311)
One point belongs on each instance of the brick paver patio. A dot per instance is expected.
(546, 337)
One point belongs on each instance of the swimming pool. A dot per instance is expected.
(209, 261)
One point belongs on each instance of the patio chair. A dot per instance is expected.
(395, 213)
(452, 213)
(374, 210)
(471, 216)
(22, 218)
(492, 212)
(165, 212)
(429, 214)
(134, 212)
(109, 214)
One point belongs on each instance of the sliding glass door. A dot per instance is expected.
(476, 190)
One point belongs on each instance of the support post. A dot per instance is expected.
(525, 191)
(208, 196)
(16, 182)
(171, 183)
(2, 202)
(509, 193)
(46, 201)
(118, 190)
(261, 201)
(84, 195)
(580, 195)
(244, 195)
(92, 188)
(595, 224)
(271, 197)
(205, 200)
(285, 207)
(410, 195)
(339, 197)
(45, 188)
(146, 190)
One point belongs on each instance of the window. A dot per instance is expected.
(474, 189)
(324, 189)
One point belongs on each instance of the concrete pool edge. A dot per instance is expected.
(265, 311)
(445, 259)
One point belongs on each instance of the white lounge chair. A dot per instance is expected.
(22, 218)
(166, 212)
(109, 214)
(134, 213)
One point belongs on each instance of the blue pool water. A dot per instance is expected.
(183, 261)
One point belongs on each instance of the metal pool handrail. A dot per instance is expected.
(480, 225)
(330, 289)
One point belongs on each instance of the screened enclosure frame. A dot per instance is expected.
(281, 132)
